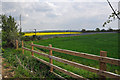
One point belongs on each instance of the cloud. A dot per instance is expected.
(59, 15)
(20, 0)
(59, 0)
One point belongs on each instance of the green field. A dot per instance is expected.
(91, 44)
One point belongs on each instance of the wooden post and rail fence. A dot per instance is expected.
(103, 60)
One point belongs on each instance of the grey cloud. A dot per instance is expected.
(62, 15)
(51, 15)
(42, 7)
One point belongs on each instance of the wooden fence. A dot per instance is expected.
(103, 59)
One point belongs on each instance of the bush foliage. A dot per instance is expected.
(9, 30)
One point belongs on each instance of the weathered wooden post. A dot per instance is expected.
(50, 60)
(103, 64)
(32, 48)
(22, 47)
(16, 44)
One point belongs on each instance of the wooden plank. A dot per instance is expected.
(22, 47)
(62, 70)
(40, 46)
(84, 55)
(102, 64)
(50, 59)
(91, 69)
(27, 49)
(46, 55)
(32, 49)
(16, 44)
(59, 76)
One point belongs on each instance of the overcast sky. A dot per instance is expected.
(48, 15)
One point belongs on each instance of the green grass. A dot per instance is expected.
(91, 44)
(39, 69)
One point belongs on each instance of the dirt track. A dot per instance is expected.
(7, 71)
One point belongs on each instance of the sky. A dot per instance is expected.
(60, 15)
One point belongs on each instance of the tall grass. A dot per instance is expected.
(32, 67)
(91, 44)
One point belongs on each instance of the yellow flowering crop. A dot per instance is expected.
(50, 33)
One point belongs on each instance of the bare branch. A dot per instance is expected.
(113, 10)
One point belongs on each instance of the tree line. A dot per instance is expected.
(101, 30)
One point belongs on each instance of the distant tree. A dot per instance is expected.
(9, 30)
(103, 30)
(83, 30)
(97, 30)
(110, 29)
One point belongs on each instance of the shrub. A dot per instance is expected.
(9, 30)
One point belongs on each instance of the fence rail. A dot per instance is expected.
(100, 72)
(84, 55)
(102, 59)
(62, 70)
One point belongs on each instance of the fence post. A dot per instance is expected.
(103, 64)
(22, 47)
(16, 44)
(32, 48)
(50, 60)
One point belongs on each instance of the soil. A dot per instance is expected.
(7, 71)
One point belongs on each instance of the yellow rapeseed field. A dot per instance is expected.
(50, 33)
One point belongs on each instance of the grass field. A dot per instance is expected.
(91, 44)
(26, 67)
(50, 33)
